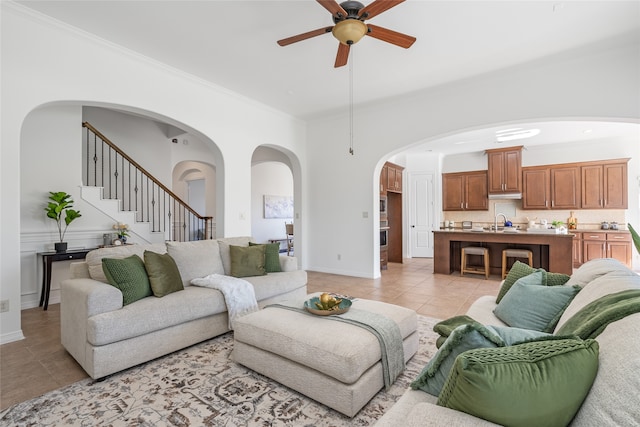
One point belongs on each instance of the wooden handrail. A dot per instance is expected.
(132, 163)
(143, 170)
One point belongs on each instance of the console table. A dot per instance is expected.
(47, 259)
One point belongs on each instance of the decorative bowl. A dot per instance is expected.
(343, 307)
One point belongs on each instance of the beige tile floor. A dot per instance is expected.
(39, 363)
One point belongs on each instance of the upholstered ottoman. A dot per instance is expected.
(335, 363)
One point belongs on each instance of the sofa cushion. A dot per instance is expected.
(463, 338)
(591, 270)
(541, 383)
(247, 261)
(128, 275)
(271, 256)
(610, 401)
(225, 254)
(530, 305)
(163, 272)
(609, 283)
(94, 258)
(196, 259)
(153, 314)
(274, 284)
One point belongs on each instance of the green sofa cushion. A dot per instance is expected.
(163, 272)
(247, 261)
(128, 275)
(271, 256)
(461, 339)
(541, 383)
(530, 305)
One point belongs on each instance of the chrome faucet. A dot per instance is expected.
(495, 223)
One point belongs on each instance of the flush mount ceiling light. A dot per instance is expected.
(515, 133)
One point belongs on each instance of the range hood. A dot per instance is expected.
(505, 196)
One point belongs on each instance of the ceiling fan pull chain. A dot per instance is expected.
(351, 103)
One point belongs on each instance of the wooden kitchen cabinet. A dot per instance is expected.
(604, 185)
(565, 187)
(505, 170)
(577, 250)
(394, 177)
(599, 244)
(551, 187)
(384, 177)
(536, 188)
(465, 191)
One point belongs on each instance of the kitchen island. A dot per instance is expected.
(553, 252)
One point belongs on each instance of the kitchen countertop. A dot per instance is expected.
(553, 252)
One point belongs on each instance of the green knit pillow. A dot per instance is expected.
(518, 270)
(128, 275)
(271, 256)
(540, 383)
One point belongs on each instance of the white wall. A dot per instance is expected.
(596, 84)
(274, 179)
(44, 63)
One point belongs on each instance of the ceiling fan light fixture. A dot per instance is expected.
(349, 31)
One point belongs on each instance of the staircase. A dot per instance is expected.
(123, 190)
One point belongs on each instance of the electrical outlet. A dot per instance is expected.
(4, 306)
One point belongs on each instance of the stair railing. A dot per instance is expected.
(124, 179)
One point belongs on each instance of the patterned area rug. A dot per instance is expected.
(201, 386)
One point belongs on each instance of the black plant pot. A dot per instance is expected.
(61, 247)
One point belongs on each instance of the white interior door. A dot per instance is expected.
(421, 214)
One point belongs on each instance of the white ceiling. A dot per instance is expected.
(233, 44)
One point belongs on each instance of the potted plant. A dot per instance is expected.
(635, 237)
(59, 209)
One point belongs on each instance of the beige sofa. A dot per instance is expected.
(106, 337)
(613, 398)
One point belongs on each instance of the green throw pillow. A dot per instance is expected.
(271, 256)
(463, 338)
(163, 272)
(530, 305)
(247, 260)
(534, 384)
(128, 275)
(556, 279)
(518, 270)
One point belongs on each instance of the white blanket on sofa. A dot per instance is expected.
(238, 294)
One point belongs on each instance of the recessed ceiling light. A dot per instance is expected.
(513, 134)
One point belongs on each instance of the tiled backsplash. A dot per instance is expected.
(588, 219)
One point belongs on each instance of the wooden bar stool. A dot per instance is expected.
(515, 253)
(475, 250)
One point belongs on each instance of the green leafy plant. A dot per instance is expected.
(557, 224)
(635, 237)
(59, 210)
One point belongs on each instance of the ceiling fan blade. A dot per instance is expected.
(304, 36)
(390, 36)
(377, 7)
(343, 55)
(333, 7)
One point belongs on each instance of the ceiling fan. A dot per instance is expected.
(349, 28)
